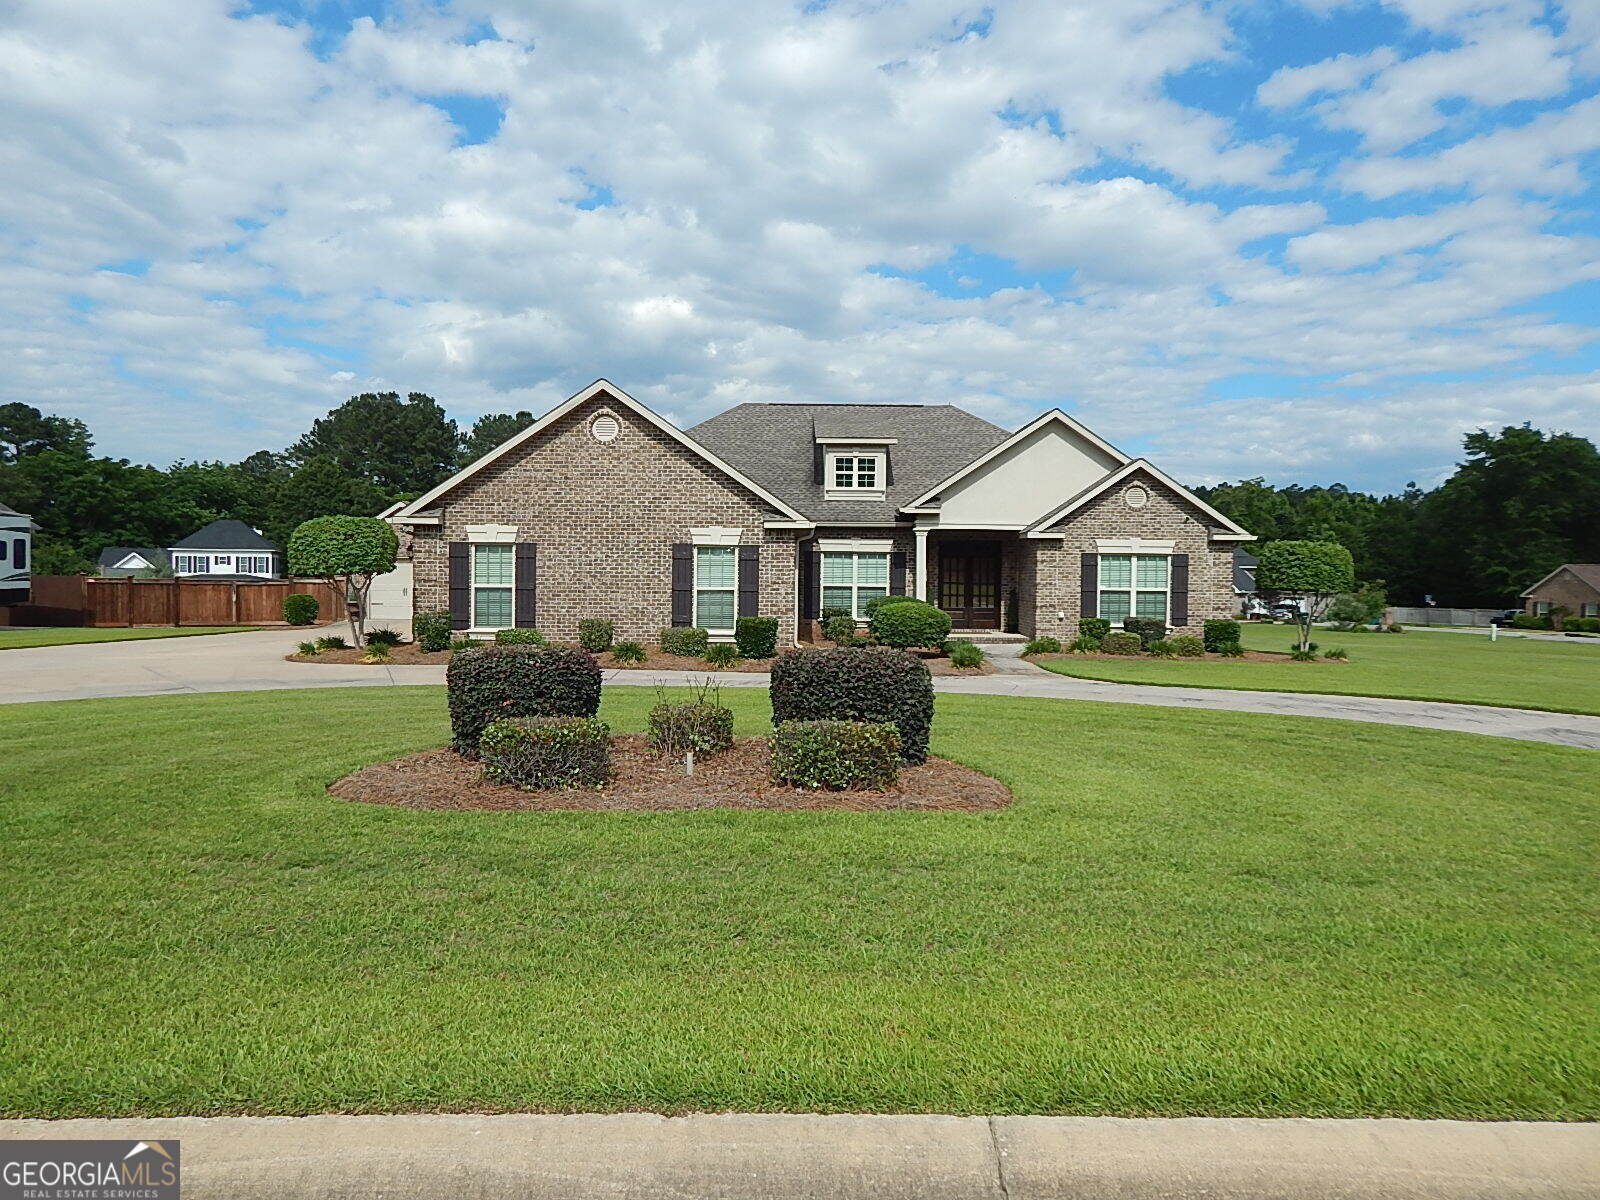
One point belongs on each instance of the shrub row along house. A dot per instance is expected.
(602, 508)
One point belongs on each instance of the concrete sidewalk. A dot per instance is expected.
(255, 662)
(747, 1157)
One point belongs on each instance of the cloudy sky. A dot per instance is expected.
(1314, 240)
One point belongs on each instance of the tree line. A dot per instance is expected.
(374, 449)
(1519, 504)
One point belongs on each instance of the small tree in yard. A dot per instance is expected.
(348, 552)
(1314, 573)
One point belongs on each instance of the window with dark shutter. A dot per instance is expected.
(682, 584)
(1089, 586)
(460, 583)
(897, 573)
(1179, 591)
(527, 581)
(749, 581)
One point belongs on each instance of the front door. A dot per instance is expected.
(969, 583)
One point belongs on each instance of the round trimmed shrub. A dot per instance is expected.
(877, 602)
(756, 637)
(871, 683)
(1042, 645)
(908, 623)
(519, 637)
(547, 753)
(1186, 645)
(1094, 627)
(487, 683)
(300, 608)
(1216, 632)
(432, 631)
(1120, 641)
(840, 629)
(595, 634)
(685, 641)
(698, 725)
(836, 755)
(1148, 629)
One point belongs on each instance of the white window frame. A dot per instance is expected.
(221, 560)
(857, 551)
(252, 564)
(473, 586)
(1133, 589)
(188, 563)
(834, 490)
(696, 588)
(1541, 608)
(1590, 610)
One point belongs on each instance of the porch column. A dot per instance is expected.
(921, 532)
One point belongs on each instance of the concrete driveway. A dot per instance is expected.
(238, 662)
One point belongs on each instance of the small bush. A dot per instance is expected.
(908, 623)
(1214, 633)
(1147, 629)
(877, 602)
(595, 634)
(685, 641)
(871, 684)
(519, 637)
(1530, 621)
(859, 639)
(539, 753)
(432, 631)
(1338, 654)
(839, 629)
(1094, 627)
(628, 652)
(383, 637)
(833, 610)
(1394, 627)
(1300, 655)
(1161, 648)
(377, 652)
(1083, 645)
(1121, 642)
(462, 643)
(1230, 649)
(489, 682)
(1186, 645)
(1582, 624)
(756, 637)
(964, 653)
(699, 725)
(722, 654)
(836, 755)
(1042, 645)
(300, 609)
(332, 642)
(307, 648)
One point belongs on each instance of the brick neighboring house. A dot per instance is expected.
(1573, 586)
(603, 509)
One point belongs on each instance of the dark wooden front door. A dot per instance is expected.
(969, 583)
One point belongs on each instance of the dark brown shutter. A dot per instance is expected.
(527, 585)
(1089, 598)
(888, 472)
(811, 581)
(818, 463)
(1179, 591)
(683, 584)
(749, 581)
(460, 587)
(897, 573)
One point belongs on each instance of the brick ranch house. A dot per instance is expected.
(603, 509)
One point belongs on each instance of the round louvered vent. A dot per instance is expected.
(1136, 496)
(605, 428)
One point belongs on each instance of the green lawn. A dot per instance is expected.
(17, 639)
(1183, 912)
(1463, 668)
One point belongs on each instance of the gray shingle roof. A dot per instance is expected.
(1588, 572)
(774, 444)
(1244, 571)
(9, 512)
(112, 555)
(225, 535)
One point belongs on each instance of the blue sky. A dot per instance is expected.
(1314, 241)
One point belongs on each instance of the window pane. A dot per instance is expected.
(1152, 572)
(836, 597)
(1114, 605)
(713, 610)
(865, 594)
(1116, 571)
(492, 564)
(866, 472)
(1152, 604)
(838, 568)
(491, 608)
(844, 472)
(872, 570)
(715, 566)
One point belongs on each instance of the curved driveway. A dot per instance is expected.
(254, 662)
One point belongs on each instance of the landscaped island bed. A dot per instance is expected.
(1181, 913)
(1415, 665)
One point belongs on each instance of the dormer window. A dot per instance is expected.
(853, 473)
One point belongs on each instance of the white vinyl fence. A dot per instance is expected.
(1442, 616)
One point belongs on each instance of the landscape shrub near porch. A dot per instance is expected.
(1148, 630)
(836, 755)
(870, 683)
(487, 683)
(536, 753)
(1215, 633)
(1121, 642)
(595, 634)
(432, 631)
(907, 623)
(1093, 628)
(684, 641)
(756, 637)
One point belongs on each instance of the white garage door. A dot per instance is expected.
(389, 598)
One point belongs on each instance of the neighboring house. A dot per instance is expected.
(226, 550)
(117, 561)
(1573, 586)
(603, 509)
(1245, 593)
(16, 556)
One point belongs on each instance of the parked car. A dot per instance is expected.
(1284, 610)
(1505, 617)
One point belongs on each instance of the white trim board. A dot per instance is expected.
(598, 387)
(1232, 532)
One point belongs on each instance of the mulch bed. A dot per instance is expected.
(408, 655)
(442, 780)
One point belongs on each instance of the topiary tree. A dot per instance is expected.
(348, 552)
(1313, 573)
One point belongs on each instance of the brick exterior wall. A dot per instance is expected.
(605, 516)
(1053, 601)
(1564, 589)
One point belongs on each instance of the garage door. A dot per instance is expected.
(389, 598)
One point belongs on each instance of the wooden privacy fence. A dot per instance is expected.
(84, 600)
